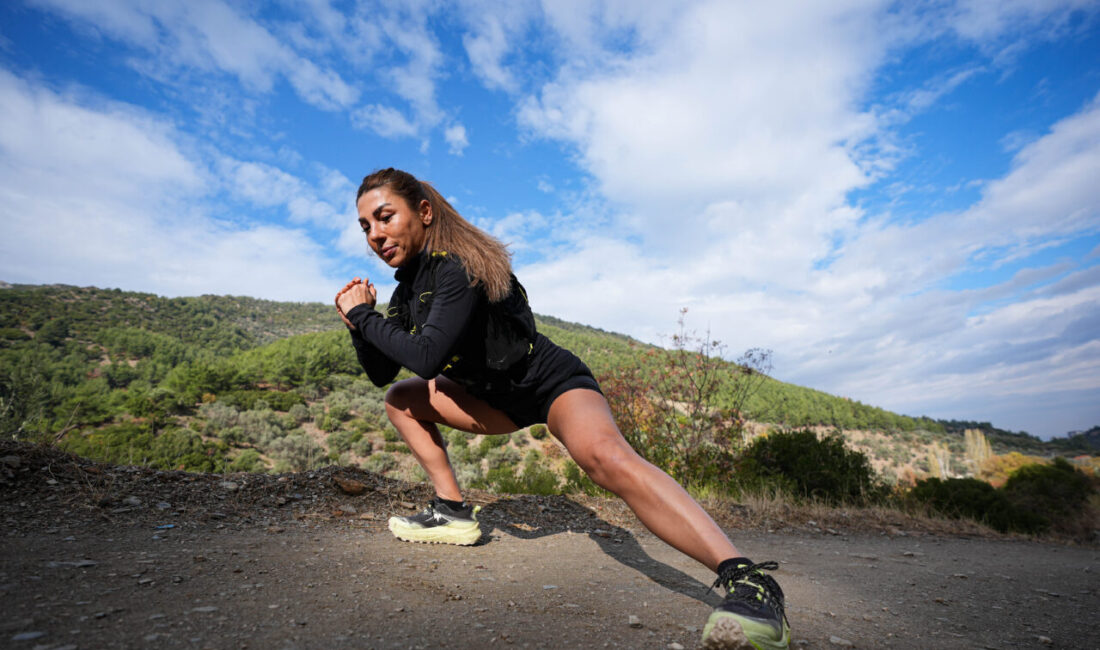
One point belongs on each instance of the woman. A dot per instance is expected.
(460, 321)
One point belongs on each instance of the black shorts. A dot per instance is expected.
(550, 371)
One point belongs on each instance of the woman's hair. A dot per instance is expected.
(486, 260)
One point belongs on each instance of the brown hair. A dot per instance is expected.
(486, 260)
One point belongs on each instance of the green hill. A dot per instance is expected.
(222, 382)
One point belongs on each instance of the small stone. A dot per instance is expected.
(163, 505)
(836, 640)
(1046, 640)
(675, 646)
(549, 586)
(132, 501)
(349, 485)
(205, 609)
(27, 636)
(634, 621)
(228, 485)
(11, 461)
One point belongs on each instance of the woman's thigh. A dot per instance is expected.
(442, 401)
(582, 420)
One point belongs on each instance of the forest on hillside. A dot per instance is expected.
(222, 384)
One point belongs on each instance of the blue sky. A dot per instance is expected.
(900, 199)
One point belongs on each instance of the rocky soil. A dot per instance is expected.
(98, 556)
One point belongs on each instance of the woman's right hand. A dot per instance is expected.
(355, 293)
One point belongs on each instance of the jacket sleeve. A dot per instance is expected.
(380, 369)
(426, 352)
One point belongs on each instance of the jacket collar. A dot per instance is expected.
(408, 272)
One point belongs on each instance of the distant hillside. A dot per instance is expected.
(220, 382)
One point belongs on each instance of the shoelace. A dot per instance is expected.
(757, 583)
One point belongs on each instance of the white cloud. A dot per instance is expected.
(386, 121)
(731, 152)
(100, 194)
(455, 135)
(265, 185)
(210, 35)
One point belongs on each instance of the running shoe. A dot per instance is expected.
(751, 615)
(439, 524)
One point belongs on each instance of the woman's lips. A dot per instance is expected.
(388, 252)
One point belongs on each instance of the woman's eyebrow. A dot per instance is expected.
(378, 210)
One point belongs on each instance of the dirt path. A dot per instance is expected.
(77, 573)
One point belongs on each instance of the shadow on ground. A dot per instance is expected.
(527, 517)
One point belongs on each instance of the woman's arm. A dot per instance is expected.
(380, 369)
(429, 350)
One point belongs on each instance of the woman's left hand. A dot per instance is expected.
(355, 293)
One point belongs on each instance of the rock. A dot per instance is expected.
(1046, 640)
(836, 640)
(11, 461)
(27, 636)
(132, 501)
(350, 485)
(163, 505)
(206, 609)
(675, 646)
(634, 621)
(228, 485)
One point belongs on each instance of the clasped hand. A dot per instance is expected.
(355, 293)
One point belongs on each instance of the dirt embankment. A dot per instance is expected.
(114, 557)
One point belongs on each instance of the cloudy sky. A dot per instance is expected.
(902, 200)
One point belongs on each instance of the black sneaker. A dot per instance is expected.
(751, 615)
(439, 524)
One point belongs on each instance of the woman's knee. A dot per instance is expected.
(406, 394)
(609, 463)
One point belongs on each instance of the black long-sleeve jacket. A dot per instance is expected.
(436, 323)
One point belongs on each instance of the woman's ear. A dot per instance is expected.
(426, 215)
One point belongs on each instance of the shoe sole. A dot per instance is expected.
(457, 534)
(725, 632)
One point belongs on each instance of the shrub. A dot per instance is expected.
(248, 461)
(539, 431)
(363, 447)
(248, 399)
(491, 442)
(801, 464)
(297, 453)
(1054, 492)
(300, 413)
(971, 498)
(339, 407)
(501, 456)
(380, 463)
(341, 441)
(389, 434)
(467, 473)
(456, 439)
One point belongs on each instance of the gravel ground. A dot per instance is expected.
(97, 556)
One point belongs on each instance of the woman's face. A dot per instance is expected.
(395, 232)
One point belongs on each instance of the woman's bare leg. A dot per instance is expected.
(416, 405)
(582, 420)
